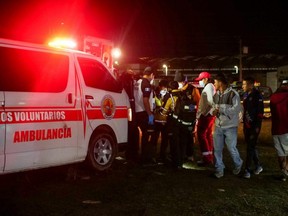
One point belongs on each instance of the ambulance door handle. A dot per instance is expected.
(89, 97)
(70, 98)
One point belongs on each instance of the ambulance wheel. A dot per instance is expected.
(102, 151)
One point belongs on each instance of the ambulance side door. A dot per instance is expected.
(105, 103)
(2, 132)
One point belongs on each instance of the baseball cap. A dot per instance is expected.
(203, 75)
(148, 71)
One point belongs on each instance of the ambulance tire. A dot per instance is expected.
(102, 150)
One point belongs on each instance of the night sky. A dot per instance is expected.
(155, 28)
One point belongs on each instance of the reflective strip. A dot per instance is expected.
(175, 116)
(164, 109)
(186, 123)
(163, 114)
(160, 121)
(206, 153)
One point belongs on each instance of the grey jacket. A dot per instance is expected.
(229, 106)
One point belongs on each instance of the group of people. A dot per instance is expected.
(220, 106)
(169, 110)
(180, 112)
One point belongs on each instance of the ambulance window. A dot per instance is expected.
(97, 76)
(32, 71)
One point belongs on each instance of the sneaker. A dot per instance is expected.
(284, 172)
(237, 170)
(283, 178)
(218, 174)
(258, 170)
(247, 174)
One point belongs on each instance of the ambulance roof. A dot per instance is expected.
(38, 46)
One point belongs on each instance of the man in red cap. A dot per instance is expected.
(205, 119)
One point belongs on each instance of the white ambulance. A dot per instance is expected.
(58, 107)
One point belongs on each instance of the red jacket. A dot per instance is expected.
(279, 111)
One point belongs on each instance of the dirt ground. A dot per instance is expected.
(132, 190)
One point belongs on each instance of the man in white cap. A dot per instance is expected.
(205, 119)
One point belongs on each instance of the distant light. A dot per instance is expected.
(63, 43)
(166, 69)
(236, 70)
(116, 53)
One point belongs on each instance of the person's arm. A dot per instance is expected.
(210, 91)
(259, 113)
(147, 91)
(196, 96)
(166, 107)
(234, 109)
(207, 99)
(147, 105)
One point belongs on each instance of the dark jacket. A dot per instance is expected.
(253, 109)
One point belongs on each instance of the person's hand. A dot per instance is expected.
(216, 112)
(151, 119)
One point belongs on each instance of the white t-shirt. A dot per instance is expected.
(142, 88)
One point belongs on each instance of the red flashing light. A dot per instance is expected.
(63, 43)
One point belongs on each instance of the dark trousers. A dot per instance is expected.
(132, 151)
(187, 141)
(175, 144)
(182, 144)
(160, 128)
(182, 141)
(251, 138)
(146, 145)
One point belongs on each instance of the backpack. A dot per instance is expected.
(185, 109)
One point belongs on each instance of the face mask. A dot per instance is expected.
(163, 92)
(201, 83)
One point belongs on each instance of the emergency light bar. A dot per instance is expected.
(63, 43)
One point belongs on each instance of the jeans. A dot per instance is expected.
(228, 136)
